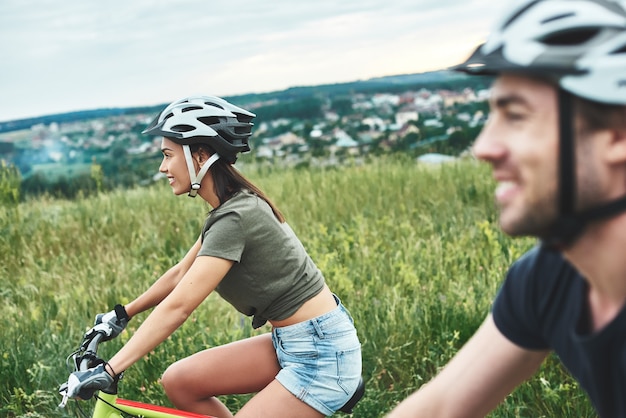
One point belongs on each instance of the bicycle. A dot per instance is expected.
(109, 405)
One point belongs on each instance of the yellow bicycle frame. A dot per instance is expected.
(110, 406)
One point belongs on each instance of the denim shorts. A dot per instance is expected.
(320, 359)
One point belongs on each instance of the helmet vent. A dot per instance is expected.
(619, 51)
(244, 118)
(214, 105)
(242, 129)
(570, 37)
(182, 128)
(209, 120)
(190, 108)
(557, 17)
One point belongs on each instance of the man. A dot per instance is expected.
(556, 139)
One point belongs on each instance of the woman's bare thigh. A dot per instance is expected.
(243, 366)
(277, 402)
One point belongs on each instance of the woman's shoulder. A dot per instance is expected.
(241, 203)
(240, 198)
(243, 200)
(233, 211)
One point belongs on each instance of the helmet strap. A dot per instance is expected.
(567, 159)
(196, 179)
(570, 224)
(567, 227)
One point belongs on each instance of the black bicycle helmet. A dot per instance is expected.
(206, 120)
(581, 46)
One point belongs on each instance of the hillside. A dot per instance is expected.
(389, 84)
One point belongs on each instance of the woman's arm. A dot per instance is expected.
(200, 280)
(164, 285)
(476, 380)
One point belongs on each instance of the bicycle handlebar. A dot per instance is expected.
(85, 357)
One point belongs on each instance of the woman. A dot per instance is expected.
(310, 364)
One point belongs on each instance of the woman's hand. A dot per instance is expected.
(82, 385)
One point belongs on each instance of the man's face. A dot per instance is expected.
(520, 141)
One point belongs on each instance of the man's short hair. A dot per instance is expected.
(598, 116)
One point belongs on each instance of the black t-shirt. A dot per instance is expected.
(542, 305)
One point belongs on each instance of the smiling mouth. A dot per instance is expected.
(505, 190)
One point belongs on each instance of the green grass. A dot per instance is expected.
(413, 251)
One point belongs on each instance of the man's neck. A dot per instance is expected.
(600, 256)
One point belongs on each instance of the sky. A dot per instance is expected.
(61, 56)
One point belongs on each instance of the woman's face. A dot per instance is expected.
(174, 166)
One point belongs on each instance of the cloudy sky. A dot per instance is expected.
(58, 56)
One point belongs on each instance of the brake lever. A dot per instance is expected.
(63, 391)
(102, 328)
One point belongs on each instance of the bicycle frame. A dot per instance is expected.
(110, 406)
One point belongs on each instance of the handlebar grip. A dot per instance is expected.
(91, 351)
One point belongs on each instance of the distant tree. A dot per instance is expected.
(97, 175)
(34, 185)
(9, 184)
(118, 151)
(6, 147)
(301, 109)
(318, 148)
(342, 105)
(404, 143)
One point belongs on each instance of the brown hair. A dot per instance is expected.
(228, 180)
(596, 116)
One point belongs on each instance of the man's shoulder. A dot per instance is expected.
(541, 261)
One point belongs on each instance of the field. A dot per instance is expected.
(413, 251)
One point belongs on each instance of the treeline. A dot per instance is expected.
(104, 175)
(16, 125)
(391, 84)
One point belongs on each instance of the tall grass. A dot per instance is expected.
(413, 251)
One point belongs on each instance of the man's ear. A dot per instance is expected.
(617, 147)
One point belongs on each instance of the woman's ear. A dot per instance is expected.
(202, 155)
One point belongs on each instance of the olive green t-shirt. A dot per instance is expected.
(273, 275)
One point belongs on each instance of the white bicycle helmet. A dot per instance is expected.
(581, 46)
(208, 120)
